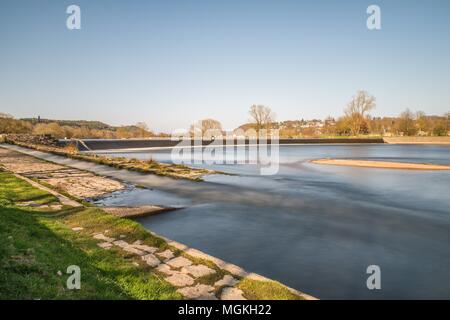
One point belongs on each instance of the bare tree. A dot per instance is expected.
(143, 126)
(262, 116)
(357, 110)
(208, 128)
(143, 130)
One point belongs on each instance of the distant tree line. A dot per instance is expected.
(72, 129)
(355, 121)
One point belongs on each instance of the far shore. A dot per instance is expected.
(381, 164)
(133, 145)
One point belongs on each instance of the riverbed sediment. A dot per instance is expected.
(381, 164)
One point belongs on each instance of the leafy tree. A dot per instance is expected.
(422, 122)
(357, 110)
(406, 124)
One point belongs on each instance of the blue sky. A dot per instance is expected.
(170, 63)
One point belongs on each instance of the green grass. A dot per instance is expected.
(266, 290)
(36, 248)
(14, 190)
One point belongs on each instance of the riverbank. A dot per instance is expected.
(381, 164)
(71, 150)
(78, 183)
(311, 213)
(37, 246)
(118, 257)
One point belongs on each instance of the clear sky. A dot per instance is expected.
(170, 63)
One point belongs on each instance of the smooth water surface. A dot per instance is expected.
(317, 227)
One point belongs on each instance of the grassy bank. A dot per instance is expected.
(37, 246)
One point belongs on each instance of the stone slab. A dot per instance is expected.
(144, 247)
(198, 292)
(198, 271)
(229, 293)
(101, 236)
(105, 245)
(151, 260)
(164, 268)
(131, 249)
(179, 262)
(121, 243)
(179, 279)
(166, 255)
(226, 281)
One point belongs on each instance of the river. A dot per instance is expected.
(317, 227)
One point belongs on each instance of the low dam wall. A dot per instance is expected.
(117, 144)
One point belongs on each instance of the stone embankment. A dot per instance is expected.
(195, 274)
(181, 271)
(78, 183)
(44, 140)
(70, 150)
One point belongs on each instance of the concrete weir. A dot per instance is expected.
(132, 144)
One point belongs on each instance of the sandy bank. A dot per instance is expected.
(418, 140)
(381, 164)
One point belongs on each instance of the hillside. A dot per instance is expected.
(96, 125)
